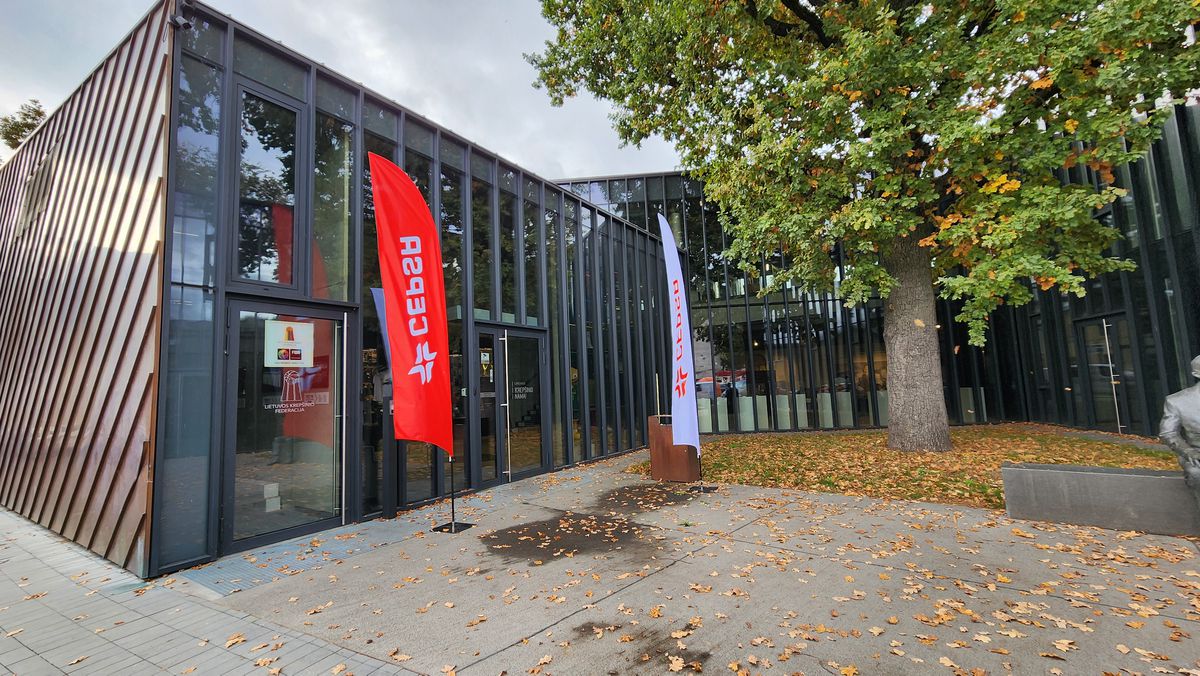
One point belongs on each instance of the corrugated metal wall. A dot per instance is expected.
(82, 216)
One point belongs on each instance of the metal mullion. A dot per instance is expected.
(735, 414)
(790, 351)
(175, 64)
(305, 188)
(830, 343)
(554, 333)
(543, 244)
(399, 450)
(435, 192)
(564, 323)
(221, 492)
(1188, 141)
(1022, 365)
(771, 385)
(640, 324)
(352, 406)
(946, 347)
(630, 402)
(751, 376)
(611, 286)
(619, 261)
(713, 399)
(601, 408)
(469, 343)
(518, 256)
(848, 345)
(1146, 270)
(1158, 178)
(869, 341)
(578, 286)
(1065, 331)
(977, 392)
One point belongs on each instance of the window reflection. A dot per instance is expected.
(287, 461)
(267, 191)
(334, 177)
(481, 234)
(375, 373)
(196, 153)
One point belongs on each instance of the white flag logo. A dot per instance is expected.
(685, 428)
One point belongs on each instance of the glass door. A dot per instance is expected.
(284, 442)
(1105, 346)
(490, 410)
(527, 402)
(513, 403)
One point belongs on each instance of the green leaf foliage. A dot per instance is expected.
(15, 128)
(818, 124)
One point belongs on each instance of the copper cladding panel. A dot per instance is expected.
(669, 462)
(82, 220)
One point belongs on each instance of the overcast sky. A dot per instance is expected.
(457, 62)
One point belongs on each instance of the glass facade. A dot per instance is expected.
(794, 360)
(274, 229)
(556, 308)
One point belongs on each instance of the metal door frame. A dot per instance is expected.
(1115, 370)
(503, 446)
(233, 307)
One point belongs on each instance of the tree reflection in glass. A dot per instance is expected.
(267, 191)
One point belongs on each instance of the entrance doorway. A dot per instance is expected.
(283, 457)
(1107, 353)
(513, 400)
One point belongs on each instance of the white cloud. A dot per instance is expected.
(460, 64)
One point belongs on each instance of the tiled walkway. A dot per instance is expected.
(65, 610)
(594, 570)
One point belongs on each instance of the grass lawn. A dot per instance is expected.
(859, 463)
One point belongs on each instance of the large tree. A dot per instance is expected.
(918, 140)
(15, 128)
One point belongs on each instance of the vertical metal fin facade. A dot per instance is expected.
(82, 219)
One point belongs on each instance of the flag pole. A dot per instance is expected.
(454, 526)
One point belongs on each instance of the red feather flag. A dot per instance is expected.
(410, 260)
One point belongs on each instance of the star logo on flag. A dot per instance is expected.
(424, 363)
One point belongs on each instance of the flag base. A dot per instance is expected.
(452, 527)
(455, 525)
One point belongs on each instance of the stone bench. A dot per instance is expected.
(1151, 501)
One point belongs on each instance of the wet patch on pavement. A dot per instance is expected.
(656, 648)
(571, 534)
(642, 498)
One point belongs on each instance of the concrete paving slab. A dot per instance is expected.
(803, 582)
(594, 570)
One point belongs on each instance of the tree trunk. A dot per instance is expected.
(916, 401)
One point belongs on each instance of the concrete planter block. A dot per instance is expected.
(1152, 501)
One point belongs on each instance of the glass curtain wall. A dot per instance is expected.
(797, 360)
(183, 472)
(299, 224)
(791, 360)
(380, 139)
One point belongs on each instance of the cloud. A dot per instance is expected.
(459, 64)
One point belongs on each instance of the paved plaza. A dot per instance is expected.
(596, 571)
